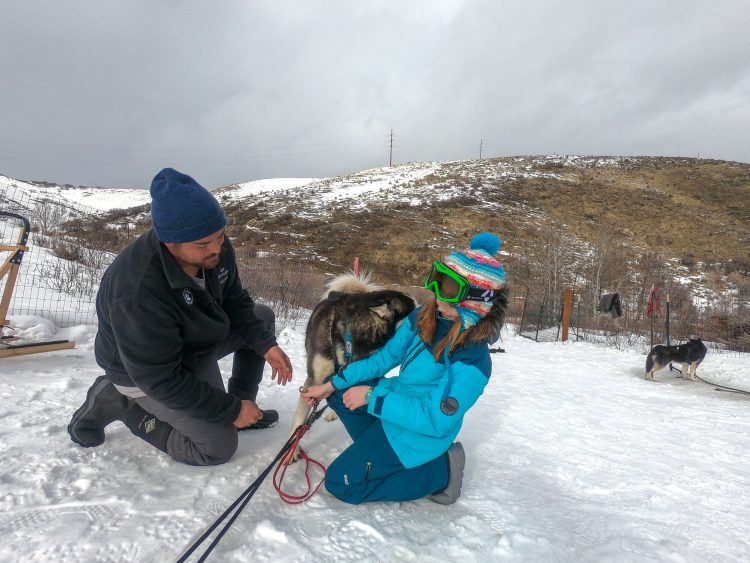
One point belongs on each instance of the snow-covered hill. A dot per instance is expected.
(96, 199)
(412, 184)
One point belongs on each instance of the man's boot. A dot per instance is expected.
(270, 417)
(456, 463)
(247, 372)
(147, 427)
(103, 405)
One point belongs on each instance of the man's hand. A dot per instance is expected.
(249, 414)
(280, 364)
(316, 393)
(355, 397)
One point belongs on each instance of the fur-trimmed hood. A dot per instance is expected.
(488, 327)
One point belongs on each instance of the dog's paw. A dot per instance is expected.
(331, 416)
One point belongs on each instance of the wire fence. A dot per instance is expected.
(540, 320)
(58, 275)
(633, 329)
(71, 246)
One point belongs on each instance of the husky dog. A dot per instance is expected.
(690, 355)
(371, 315)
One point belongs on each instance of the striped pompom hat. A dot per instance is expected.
(478, 265)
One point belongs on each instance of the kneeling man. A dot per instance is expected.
(169, 307)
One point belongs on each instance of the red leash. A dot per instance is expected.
(297, 499)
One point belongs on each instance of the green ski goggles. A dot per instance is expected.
(447, 285)
(451, 287)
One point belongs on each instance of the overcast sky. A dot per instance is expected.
(109, 92)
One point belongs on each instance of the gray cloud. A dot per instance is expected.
(104, 93)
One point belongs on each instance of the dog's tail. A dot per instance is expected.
(351, 283)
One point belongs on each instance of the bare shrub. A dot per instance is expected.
(94, 259)
(68, 276)
(46, 216)
(289, 287)
(549, 260)
(98, 233)
(603, 268)
(41, 240)
(67, 249)
(730, 332)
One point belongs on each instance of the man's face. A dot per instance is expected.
(203, 253)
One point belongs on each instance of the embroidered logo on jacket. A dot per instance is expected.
(187, 295)
(223, 274)
(150, 425)
(449, 406)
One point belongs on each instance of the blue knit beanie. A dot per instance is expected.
(182, 210)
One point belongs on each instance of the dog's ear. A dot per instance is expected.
(381, 309)
(402, 304)
(408, 302)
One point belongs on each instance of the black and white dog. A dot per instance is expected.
(350, 304)
(690, 355)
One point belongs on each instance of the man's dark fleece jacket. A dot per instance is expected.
(156, 325)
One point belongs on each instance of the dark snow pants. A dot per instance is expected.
(197, 442)
(369, 470)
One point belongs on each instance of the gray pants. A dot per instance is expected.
(197, 442)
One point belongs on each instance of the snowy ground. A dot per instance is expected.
(572, 456)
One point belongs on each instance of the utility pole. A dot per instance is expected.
(480, 148)
(390, 158)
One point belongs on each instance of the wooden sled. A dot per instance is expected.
(10, 268)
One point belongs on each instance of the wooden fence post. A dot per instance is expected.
(666, 322)
(567, 306)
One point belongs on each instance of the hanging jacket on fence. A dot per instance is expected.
(610, 303)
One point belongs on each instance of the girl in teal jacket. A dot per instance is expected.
(403, 427)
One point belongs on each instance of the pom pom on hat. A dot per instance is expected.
(486, 241)
(182, 210)
(478, 265)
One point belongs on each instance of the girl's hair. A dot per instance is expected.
(426, 323)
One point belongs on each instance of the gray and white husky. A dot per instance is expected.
(371, 315)
(690, 355)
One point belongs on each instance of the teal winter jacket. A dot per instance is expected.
(418, 421)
